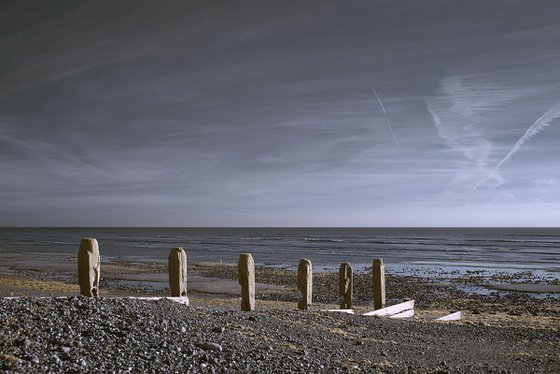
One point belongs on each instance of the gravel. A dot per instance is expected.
(77, 334)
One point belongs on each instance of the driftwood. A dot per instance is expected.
(348, 311)
(451, 317)
(181, 300)
(394, 310)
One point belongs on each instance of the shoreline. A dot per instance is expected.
(519, 298)
(116, 333)
(478, 281)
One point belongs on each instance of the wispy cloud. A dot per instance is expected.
(456, 116)
(460, 113)
(372, 88)
(543, 121)
(547, 182)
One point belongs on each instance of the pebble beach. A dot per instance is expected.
(46, 327)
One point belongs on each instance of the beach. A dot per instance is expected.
(512, 327)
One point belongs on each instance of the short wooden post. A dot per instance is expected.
(178, 272)
(305, 283)
(246, 278)
(89, 267)
(378, 283)
(346, 285)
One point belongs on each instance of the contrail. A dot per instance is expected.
(380, 104)
(542, 122)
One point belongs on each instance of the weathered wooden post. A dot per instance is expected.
(246, 278)
(346, 285)
(89, 267)
(378, 283)
(305, 283)
(178, 272)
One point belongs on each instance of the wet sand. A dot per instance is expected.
(511, 302)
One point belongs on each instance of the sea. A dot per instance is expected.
(403, 250)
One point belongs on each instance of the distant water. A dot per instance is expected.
(499, 249)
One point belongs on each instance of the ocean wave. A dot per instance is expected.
(323, 240)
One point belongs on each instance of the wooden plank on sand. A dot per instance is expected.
(406, 314)
(391, 310)
(451, 317)
(179, 299)
(348, 311)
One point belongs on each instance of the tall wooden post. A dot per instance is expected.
(246, 278)
(178, 272)
(305, 283)
(89, 267)
(378, 283)
(346, 285)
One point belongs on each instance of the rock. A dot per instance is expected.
(209, 346)
(65, 350)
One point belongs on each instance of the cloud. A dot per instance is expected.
(461, 115)
(543, 121)
(547, 182)
(455, 113)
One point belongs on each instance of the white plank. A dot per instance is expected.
(451, 317)
(349, 311)
(179, 299)
(33, 297)
(406, 314)
(393, 309)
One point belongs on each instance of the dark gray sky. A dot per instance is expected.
(223, 113)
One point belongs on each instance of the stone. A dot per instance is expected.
(89, 267)
(346, 285)
(246, 278)
(378, 284)
(178, 272)
(209, 346)
(305, 283)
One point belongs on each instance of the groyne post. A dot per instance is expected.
(305, 283)
(246, 278)
(346, 285)
(178, 272)
(89, 267)
(378, 283)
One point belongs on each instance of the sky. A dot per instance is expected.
(280, 113)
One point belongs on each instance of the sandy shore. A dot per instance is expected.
(511, 299)
(516, 306)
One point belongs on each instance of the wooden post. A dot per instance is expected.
(305, 283)
(178, 272)
(346, 285)
(246, 278)
(89, 267)
(378, 283)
